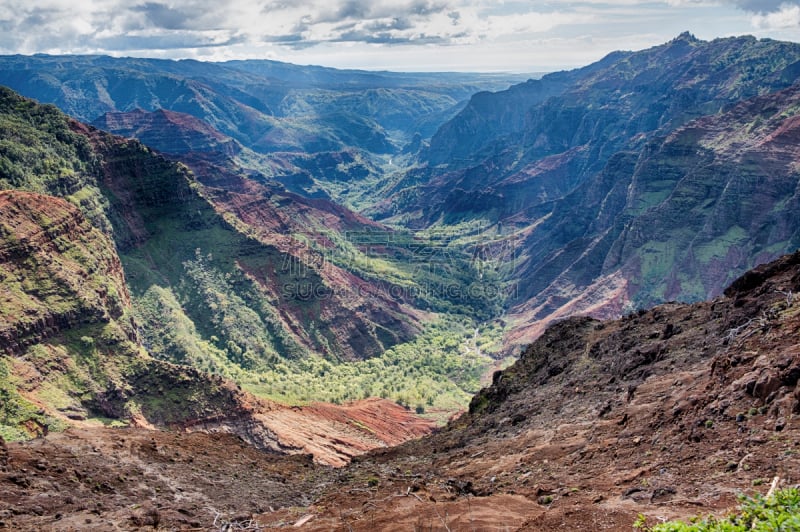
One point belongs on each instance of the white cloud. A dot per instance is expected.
(536, 22)
(484, 34)
(36, 23)
(788, 16)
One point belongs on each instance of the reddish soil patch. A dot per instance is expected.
(334, 434)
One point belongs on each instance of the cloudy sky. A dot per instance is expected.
(475, 35)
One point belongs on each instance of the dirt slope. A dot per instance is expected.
(133, 479)
(101, 479)
(334, 434)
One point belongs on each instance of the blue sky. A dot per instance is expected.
(465, 35)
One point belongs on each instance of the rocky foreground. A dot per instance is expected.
(668, 413)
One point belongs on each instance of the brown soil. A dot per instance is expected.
(104, 479)
(335, 434)
(93, 478)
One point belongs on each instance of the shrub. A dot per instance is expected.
(780, 511)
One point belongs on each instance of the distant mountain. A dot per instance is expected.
(247, 100)
(646, 177)
(215, 157)
(169, 132)
(525, 147)
(294, 112)
(319, 77)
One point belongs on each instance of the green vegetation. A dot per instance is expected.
(187, 270)
(228, 331)
(171, 334)
(248, 343)
(777, 512)
(39, 153)
(64, 303)
(719, 247)
(440, 369)
(442, 270)
(19, 417)
(67, 373)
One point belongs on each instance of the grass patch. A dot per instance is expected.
(780, 511)
(439, 370)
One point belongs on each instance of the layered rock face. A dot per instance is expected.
(58, 272)
(251, 230)
(69, 338)
(169, 132)
(678, 221)
(356, 315)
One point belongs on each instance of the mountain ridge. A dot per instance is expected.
(701, 155)
(556, 177)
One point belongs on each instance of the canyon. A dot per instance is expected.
(258, 294)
